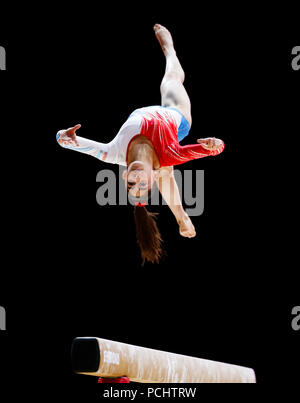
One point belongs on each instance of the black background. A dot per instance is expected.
(72, 268)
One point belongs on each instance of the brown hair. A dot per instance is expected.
(148, 235)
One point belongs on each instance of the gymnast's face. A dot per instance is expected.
(139, 178)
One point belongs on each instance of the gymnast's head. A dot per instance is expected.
(139, 178)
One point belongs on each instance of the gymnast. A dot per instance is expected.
(148, 145)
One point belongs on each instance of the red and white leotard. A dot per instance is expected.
(159, 124)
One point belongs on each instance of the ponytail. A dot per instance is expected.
(148, 235)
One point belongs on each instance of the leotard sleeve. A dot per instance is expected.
(194, 151)
(181, 154)
(104, 152)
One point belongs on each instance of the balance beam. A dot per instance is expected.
(111, 359)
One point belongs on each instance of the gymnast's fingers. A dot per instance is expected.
(76, 127)
(210, 143)
(207, 141)
(72, 130)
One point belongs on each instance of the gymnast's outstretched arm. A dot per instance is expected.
(68, 139)
(169, 190)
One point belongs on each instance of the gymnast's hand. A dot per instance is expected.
(68, 136)
(210, 143)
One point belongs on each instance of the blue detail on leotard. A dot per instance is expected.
(184, 127)
(99, 154)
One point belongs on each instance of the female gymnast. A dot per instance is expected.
(148, 145)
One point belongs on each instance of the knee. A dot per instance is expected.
(173, 77)
(177, 76)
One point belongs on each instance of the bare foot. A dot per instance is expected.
(186, 227)
(164, 38)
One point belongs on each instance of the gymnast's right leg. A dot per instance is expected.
(173, 93)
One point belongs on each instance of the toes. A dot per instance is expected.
(188, 234)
